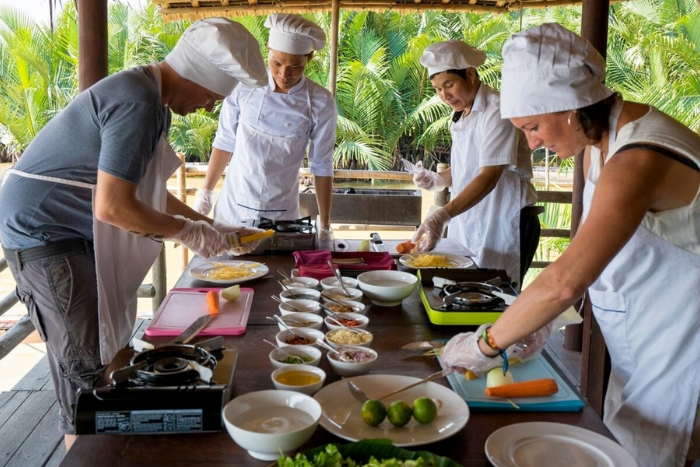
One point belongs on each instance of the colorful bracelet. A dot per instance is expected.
(488, 338)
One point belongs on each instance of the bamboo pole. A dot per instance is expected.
(333, 72)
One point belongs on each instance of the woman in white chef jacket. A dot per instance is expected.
(637, 251)
(264, 134)
(491, 211)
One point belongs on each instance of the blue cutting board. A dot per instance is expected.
(472, 391)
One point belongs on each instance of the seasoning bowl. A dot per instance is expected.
(331, 282)
(283, 337)
(387, 288)
(305, 282)
(303, 351)
(253, 421)
(352, 368)
(300, 293)
(361, 320)
(306, 379)
(301, 320)
(306, 306)
(358, 307)
(345, 337)
(337, 294)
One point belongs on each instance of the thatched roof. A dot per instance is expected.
(197, 9)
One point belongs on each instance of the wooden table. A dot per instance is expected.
(392, 327)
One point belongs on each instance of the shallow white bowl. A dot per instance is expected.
(301, 293)
(358, 307)
(244, 416)
(307, 306)
(330, 282)
(337, 293)
(330, 335)
(298, 350)
(307, 282)
(301, 320)
(387, 288)
(362, 320)
(309, 389)
(309, 333)
(346, 369)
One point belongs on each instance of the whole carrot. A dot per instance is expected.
(405, 247)
(533, 388)
(213, 302)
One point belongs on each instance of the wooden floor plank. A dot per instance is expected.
(41, 443)
(37, 378)
(9, 403)
(57, 456)
(23, 421)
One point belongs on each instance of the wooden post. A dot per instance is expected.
(159, 271)
(333, 72)
(92, 42)
(182, 194)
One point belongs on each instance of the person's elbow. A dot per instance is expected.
(109, 213)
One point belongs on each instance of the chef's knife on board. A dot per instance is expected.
(377, 243)
(193, 329)
(424, 345)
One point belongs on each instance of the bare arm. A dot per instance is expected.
(324, 198)
(476, 190)
(218, 161)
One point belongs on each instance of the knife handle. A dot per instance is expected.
(375, 237)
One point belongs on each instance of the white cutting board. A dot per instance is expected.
(182, 306)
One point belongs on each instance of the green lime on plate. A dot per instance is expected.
(424, 410)
(373, 412)
(399, 413)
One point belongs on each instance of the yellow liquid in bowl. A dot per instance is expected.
(298, 378)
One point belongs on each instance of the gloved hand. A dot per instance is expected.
(531, 346)
(432, 227)
(424, 178)
(462, 353)
(325, 234)
(201, 238)
(203, 201)
(245, 248)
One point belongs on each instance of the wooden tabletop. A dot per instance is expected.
(392, 327)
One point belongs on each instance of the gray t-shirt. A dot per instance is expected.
(115, 126)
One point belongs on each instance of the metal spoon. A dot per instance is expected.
(282, 302)
(279, 320)
(349, 328)
(355, 309)
(284, 274)
(291, 294)
(301, 360)
(360, 396)
(320, 343)
(339, 277)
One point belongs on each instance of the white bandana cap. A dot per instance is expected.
(294, 34)
(451, 55)
(549, 69)
(217, 53)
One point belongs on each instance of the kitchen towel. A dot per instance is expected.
(314, 263)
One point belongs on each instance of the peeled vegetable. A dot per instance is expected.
(231, 293)
(496, 378)
(363, 246)
(213, 302)
(533, 388)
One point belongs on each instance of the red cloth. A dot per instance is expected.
(314, 263)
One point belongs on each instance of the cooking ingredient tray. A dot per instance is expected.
(566, 400)
(182, 306)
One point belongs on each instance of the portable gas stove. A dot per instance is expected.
(168, 389)
(290, 235)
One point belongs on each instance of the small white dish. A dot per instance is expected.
(300, 293)
(285, 338)
(357, 307)
(349, 366)
(337, 294)
(345, 337)
(387, 288)
(306, 306)
(361, 320)
(306, 379)
(306, 352)
(331, 282)
(305, 282)
(301, 320)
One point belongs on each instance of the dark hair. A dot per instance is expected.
(460, 73)
(595, 119)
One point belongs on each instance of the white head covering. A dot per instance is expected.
(294, 34)
(217, 53)
(451, 55)
(550, 69)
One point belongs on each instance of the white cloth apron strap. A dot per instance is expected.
(49, 179)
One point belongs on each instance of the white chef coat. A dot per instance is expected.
(491, 229)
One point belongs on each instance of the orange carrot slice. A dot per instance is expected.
(533, 388)
(213, 302)
(405, 247)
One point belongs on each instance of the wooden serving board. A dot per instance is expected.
(182, 306)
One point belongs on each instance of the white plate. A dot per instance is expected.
(202, 271)
(537, 444)
(458, 261)
(341, 412)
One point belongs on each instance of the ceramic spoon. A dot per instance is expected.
(339, 277)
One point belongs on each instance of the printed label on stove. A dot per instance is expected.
(149, 421)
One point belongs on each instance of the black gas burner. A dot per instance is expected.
(172, 365)
(471, 296)
(303, 225)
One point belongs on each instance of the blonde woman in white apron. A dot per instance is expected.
(640, 232)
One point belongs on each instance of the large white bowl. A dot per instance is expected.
(301, 320)
(306, 306)
(362, 320)
(266, 423)
(337, 294)
(300, 293)
(309, 389)
(362, 334)
(307, 282)
(387, 288)
(309, 333)
(352, 368)
(307, 351)
(330, 282)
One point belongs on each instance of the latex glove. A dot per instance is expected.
(203, 201)
(432, 228)
(462, 353)
(424, 178)
(531, 346)
(201, 238)
(325, 234)
(245, 248)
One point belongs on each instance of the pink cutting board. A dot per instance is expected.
(182, 306)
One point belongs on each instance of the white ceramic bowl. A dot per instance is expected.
(337, 293)
(330, 282)
(298, 376)
(387, 288)
(312, 334)
(307, 306)
(352, 368)
(362, 320)
(363, 338)
(307, 282)
(358, 307)
(304, 351)
(245, 418)
(301, 293)
(301, 320)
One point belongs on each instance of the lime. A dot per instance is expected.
(424, 410)
(399, 413)
(373, 412)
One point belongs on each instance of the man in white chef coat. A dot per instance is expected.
(265, 133)
(491, 211)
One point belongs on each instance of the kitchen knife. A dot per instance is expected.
(377, 243)
(193, 329)
(424, 345)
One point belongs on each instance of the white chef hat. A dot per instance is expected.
(294, 34)
(217, 53)
(451, 55)
(550, 69)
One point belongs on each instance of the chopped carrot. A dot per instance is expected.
(213, 302)
(405, 247)
(532, 388)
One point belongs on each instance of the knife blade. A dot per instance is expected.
(377, 243)
(424, 345)
(193, 329)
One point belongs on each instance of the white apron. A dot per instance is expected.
(490, 229)
(263, 176)
(654, 385)
(122, 259)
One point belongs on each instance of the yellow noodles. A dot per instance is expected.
(431, 261)
(222, 271)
